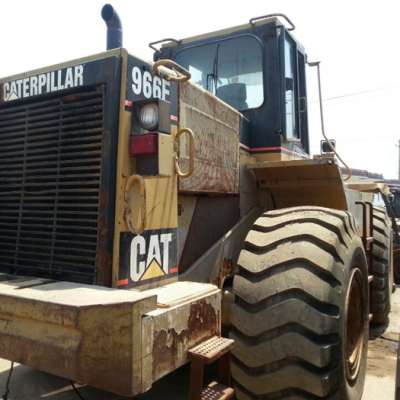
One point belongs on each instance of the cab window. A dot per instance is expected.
(231, 69)
(290, 90)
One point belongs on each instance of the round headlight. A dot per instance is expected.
(148, 116)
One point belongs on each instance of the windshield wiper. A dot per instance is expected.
(210, 82)
(215, 67)
(213, 76)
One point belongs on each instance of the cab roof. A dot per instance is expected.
(270, 19)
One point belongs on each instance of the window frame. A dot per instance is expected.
(297, 137)
(302, 99)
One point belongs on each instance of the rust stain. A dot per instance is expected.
(203, 323)
(103, 258)
(226, 270)
(203, 319)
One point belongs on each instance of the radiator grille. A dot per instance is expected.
(50, 168)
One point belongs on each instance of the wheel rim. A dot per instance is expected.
(355, 305)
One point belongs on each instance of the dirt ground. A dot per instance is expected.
(27, 384)
(382, 358)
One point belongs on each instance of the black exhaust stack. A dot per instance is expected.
(114, 27)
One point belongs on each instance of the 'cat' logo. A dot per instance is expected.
(151, 255)
(150, 259)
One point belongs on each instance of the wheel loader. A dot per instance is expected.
(155, 214)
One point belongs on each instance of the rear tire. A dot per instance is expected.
(300, 315)
(381, 268)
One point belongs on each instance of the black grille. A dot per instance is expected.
(50, 168)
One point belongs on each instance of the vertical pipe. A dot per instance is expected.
(321, 111)
(114, 27)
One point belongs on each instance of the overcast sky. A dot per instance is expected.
(357, 42)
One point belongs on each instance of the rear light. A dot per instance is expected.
(149, 116)
(146, 144)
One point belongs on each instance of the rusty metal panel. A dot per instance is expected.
(216, 126)
(188, 313)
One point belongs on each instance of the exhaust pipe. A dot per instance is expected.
(114, 27)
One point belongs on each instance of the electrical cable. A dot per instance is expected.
(389, 339)
(76, 390)
(7, 389)
(359, 93)
(321, 111)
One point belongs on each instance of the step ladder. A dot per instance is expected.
(212, 350)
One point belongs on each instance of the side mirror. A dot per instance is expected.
(328, 146)
(289, 84)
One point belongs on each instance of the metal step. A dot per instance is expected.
(214, 349)
(217, 391)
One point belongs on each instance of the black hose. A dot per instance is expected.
(7, 390)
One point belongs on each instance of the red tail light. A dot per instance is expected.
(146, 144)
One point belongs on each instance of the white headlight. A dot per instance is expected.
(148, 116)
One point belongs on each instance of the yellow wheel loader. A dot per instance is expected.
(147, 207)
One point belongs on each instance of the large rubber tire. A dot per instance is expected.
(300, 308)
(381, 267)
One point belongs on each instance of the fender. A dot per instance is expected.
(308, 182)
